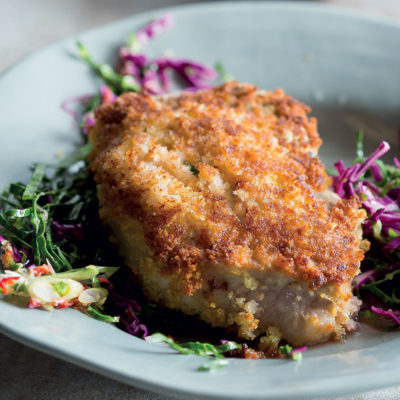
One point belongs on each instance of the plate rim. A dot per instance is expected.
(172, 390)
(153, 385)
(311, 5)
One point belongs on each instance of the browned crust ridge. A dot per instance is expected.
(254, 202)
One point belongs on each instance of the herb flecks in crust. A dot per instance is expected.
(256, 211)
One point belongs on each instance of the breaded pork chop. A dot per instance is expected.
(219, 204)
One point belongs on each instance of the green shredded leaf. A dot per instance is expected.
(287, 352)
(194, 170)
(66, 194)
(20, 287)
(42, 246)
(18, 213)
(375, 288)
(86, 273)
(14, 266)
(225, 76)
(133, 43)
(16, 236)
(100, 316)
(93, 103)
(359, 147)
(370, 316)
(33, 185)
(392, 234)
(377, 230)
(17, 190)
(197, 348)
(96, 283)
(117, 82)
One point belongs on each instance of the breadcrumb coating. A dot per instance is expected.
(227, 179)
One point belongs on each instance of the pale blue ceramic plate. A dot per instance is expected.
(346, 66)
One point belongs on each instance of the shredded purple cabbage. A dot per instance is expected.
(299, 350)
(107, 95)
(67, 231)
(154, 28)
(77, 99)
(128, 309)
(343, 183)
(365, 277)
(383, 208)
(139, 60)
(376, 172)
(377, 284)
(151, 82)
(394, 315)
(195, 74)
(152, 75)
(88, 121)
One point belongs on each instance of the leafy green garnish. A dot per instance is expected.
(33, 185)
(359, 147)
(96, 283)
(117, 82)
(62, 192)
(133, 43)
(370, 316)
(93, 103)
(100, 316)
(223, 73)
(390, 173)
(197, 348)
(43, 248)
(85, 274)
(377, 288)
(287, 351)
(194, 170)
(20, 287)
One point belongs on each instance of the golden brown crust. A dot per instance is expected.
(254, 203)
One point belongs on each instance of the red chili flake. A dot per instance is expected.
(40, 270)
(104, 280)
(33, 303)
(6, 282)
(63, 303)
